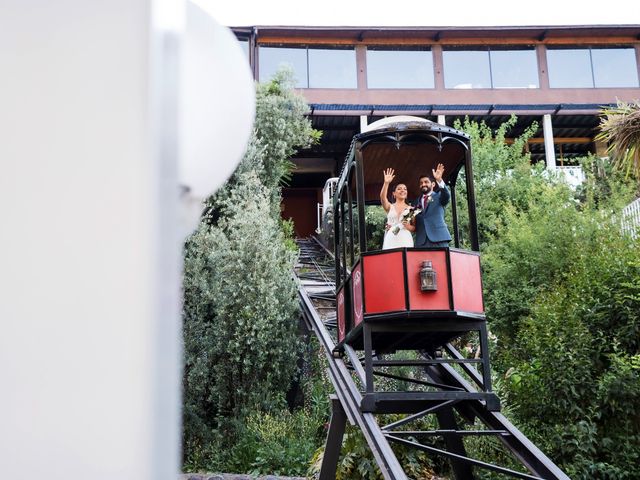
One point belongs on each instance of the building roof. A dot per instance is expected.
(630, 32)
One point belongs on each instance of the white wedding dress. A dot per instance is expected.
(392, 240)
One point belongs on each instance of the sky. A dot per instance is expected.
(377, 13)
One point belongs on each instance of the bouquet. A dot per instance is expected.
(408, 214)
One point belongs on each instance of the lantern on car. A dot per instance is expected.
(428, 281)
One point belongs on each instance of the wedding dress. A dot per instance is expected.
(396, 240)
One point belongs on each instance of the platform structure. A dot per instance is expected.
(442, 385)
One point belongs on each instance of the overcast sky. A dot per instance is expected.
(376, 13)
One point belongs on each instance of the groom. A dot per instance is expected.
(431, 229)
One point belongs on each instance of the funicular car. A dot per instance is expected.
(408, 298)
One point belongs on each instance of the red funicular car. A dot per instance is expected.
(382, 303)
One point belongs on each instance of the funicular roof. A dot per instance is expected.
(413, 147)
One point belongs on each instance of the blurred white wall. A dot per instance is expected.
(89, 252)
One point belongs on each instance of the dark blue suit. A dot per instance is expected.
(430, 225)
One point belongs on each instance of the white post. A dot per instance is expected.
(90, 255)
(442, 120)
(363, 122)
(91, 246)
(549, 146)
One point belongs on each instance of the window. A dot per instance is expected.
(332, 68)
(592, 68)
(399, 68)
(614, 67)
(466, 69)
(490, 68)
(569, 68)
(312, 67)
(244, 44)
(274, 58)
(514, 68)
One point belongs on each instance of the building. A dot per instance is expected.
(556, 76)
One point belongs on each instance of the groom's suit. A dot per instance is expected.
(430, 224)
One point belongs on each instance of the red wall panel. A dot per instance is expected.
(466, 282)
(419, 300)
(383, 282)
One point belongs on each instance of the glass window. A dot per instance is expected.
(399, 69)
(273, 58)
(514, 69)
(569, 68)
(466, 69)
(244, 43)
(614, 67)
(332, 68)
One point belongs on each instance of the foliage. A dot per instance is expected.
(280, 128)
(280, 121)
(605, 186)
(239, 339)
(502, 174)
(240, 310)
(563, 296)
(375, 220)
(620, 129)
(357, 461)
(579, 349)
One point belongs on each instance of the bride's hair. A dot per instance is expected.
(393, 190)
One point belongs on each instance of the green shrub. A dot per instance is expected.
(240, 306)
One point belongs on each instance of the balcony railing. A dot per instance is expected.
(574, 176)
(631, 218)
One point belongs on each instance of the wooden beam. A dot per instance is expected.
(444, 41)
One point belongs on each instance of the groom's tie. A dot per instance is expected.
(424, 202)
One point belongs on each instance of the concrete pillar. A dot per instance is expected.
(363, 122)
(549, 146)
(438, 68)
(442, 119)
(361, 65)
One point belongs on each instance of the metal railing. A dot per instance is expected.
(573, 175)
(631, 218)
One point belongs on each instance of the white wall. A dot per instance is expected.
(89, 379)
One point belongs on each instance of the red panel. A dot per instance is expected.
(341, 319)
(383, 282)
(356, 281)
(419, 300)
(466, 282)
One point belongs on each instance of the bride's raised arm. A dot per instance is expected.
(388, 178)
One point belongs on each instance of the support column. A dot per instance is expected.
(549, 147)
(368, 358)
(334, 440)
(364, 121)
(447, 421)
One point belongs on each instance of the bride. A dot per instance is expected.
(399, 232)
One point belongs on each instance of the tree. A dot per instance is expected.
(240, 306)
(620, 128)
(562, 295)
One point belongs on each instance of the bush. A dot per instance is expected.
(575, 383)
(240, 308)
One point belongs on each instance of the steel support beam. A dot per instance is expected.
(333, 444)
